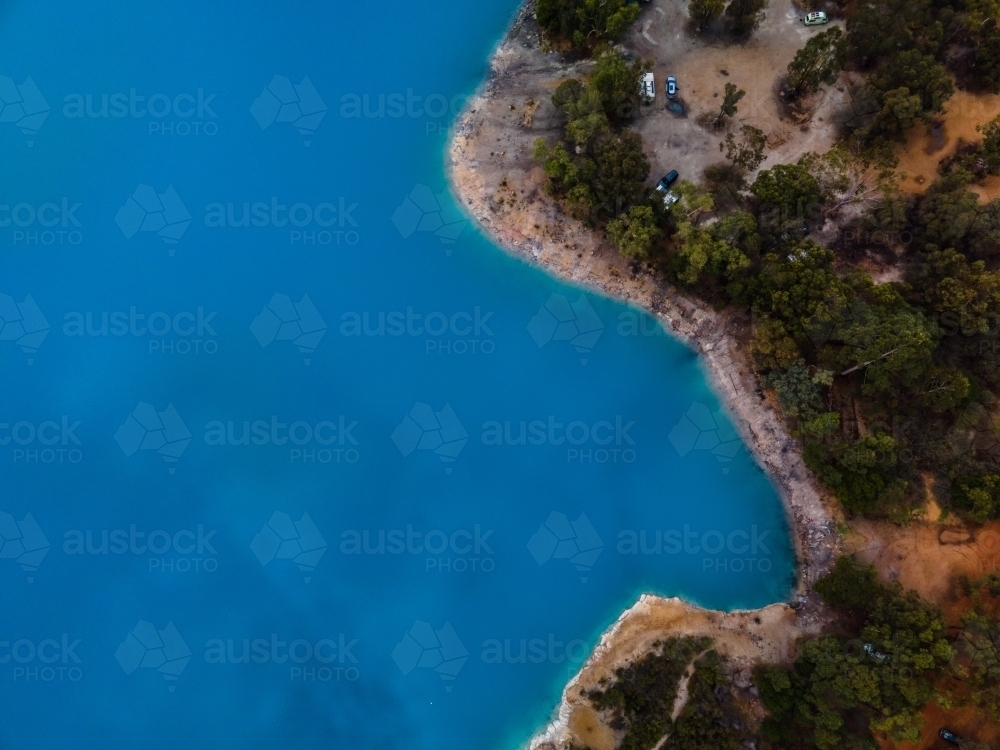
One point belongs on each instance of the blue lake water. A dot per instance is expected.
(239, 510)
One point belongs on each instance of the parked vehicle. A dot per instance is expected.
(816, 18)
(671, 87)
(648, 88)
(668, 179)
(949, 736)
(669, 196)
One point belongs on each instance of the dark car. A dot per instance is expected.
(668, 179)
(949, 736)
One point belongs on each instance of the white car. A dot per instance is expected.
(648, 88)
(816, 18)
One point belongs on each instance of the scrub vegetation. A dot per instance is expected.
(884, 658)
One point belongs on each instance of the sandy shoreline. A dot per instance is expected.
(501, 190)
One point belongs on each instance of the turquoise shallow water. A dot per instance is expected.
(283, 496)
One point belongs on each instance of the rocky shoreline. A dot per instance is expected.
(496, 181)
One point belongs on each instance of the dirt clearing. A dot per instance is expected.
(703, 64)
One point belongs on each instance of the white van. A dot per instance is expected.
(648, 88)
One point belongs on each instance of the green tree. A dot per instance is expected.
(700, 252)
(616, 82)
(584, 110)
(882, 28)
(850, 585)
(786, 185)
(987, 67)
(819, 61)
(558, 165)
(891, 342)
(598, 171)
(772, 348)
(979, 644)
(881, 688)
(950, 215)
(703, 12)
(900, 110)
(965, 296)
(919, 73)
(634, 232)
(977, 497)
(586, 22)
(747, 153)
(799, 390)
(849, 176)
(694, 201)
(795, 288)
(789, 196)
(730, 98)
(621, 170)
(944, 388)
(739, 228)
(989, 149)
(745, 15)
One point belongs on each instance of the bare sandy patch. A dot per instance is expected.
(926, 145)
(927, 557)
